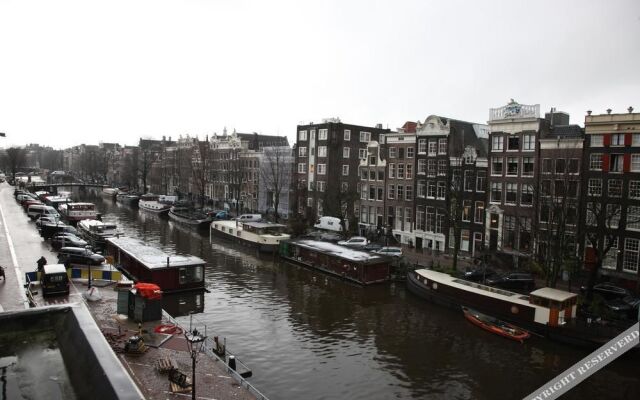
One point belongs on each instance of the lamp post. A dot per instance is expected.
(195, 341)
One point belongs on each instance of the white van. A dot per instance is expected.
(329, 224)
(249, 218)
(37, 210)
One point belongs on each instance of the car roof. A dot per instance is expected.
(54, 269)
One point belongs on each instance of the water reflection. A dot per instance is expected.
(183, 304)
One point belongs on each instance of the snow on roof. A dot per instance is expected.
(553, 294)
(340, 251)
(55, 269)
(151, 257)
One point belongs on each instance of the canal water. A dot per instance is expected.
(309, 336)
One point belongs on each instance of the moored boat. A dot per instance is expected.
(143, 263)
(128, 199)
(156, 204)
(74, 212)
(96, 232)
(265, 236)
(188, 216)
(110, 193)
(494, 325)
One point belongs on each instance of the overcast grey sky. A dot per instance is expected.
(83, 71)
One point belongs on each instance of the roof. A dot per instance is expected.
(264, 225)
(566, 131)
(54, 269)
(151, 257)
(553, 294)
(340, 251)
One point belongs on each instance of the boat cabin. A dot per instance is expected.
(143, 263)
(562, 305)
(263, 228)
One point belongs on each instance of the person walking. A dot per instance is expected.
(41, 263)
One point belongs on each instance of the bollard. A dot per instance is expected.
(232, 362)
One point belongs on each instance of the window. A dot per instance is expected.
(392, 171)
(409, 174)
(401, 152)
(364, 174)
(322, 169)
(393, 152)
(421, 189)
(512, 193)
(372, 160)
(513, 143)
(407, 218)
(320, 186)
(391, 189)
(615, 162)
(433, 147)
(442, 167)
(346, 152)
(408, 193)
(573, 167)
(558, 189)
(615, 188)
(400, 174)
(509, 231)
(527, 166)
(312, 134)
(546, 187)
(547, 165)
(617, 139)
(497, 143)
(365, 137)
(631, 252)
(442, 146)
(431, 189)
(496, 191)
(422, 146)
(596, 141)
(439, 222)
(302, 168)
(635, 139)
(528, 142)
(512, 166)
(400, 192)
(441, 190)
(372, 193)
(525, 233)
(592, 208)
(496, 166)
(633, 218)
(381, 175)
(635, 162)
(634, 190)
(410, 152)
(190, 275)
(613, 215)
(572, 189)
(302, 151)
(302, 135)
(572, 216)
(322, 134)
(422, 166)
(372, 174)
(481, 180)
(310, 202)
(420, 220)
(468, 181)
(466, 210)
(322, 151)
(526, 195)
(479, 213)
(431, 219)
(347, 135)
(560, 165)
(595, 162)
(431, 167)
(362, 154)
(363, 214)
(344, 187)
(544, 213)
(345, 169)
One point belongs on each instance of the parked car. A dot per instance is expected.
(67, 239)
(356, 241)
(624, 308)
(514, 280)
(220, 215)
(47, 219)
(390, 251)
(54, 279)
(79, 255)
(608, 291)
(329, 223)
(373, 247)
(478, 274)
(249, 218)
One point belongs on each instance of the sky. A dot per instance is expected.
(75, 72)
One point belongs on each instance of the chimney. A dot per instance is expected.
(630, 109)
(589, 112)
(608, 111)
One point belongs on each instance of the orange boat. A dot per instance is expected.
(494, 325)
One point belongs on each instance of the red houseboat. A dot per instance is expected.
(353, 265)
(173, 273)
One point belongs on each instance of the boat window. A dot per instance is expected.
(191, 275)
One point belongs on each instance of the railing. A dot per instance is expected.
(208, 349)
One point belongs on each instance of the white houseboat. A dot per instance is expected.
(265, 236)
(74, 212)
(156, 204)
(96, 232)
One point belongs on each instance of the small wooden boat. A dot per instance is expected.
(495, 325)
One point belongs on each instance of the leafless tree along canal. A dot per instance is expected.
(309, 336)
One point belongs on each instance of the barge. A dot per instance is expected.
(264, 236)
(96, 232)
(74, 212)
(548, 312)
(143, 263)
(352, 265)
(188, 216)
(156, 204)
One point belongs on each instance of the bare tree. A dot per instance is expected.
(276, 173)
(146, 158)
(200, 169)
(15, 158)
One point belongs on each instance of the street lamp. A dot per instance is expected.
(195, 342)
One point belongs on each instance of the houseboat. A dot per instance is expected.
(110, 193)
(143, 263)
(265, 236)
(55, 201)
(74, 212)
(156, 204)
(128, 199)
(96, 232)
(353, 265)
(546, 311)
(188, 216)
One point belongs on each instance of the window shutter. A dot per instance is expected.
(626, 165)
(605, 162)
(606, 139)
(627, 140)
